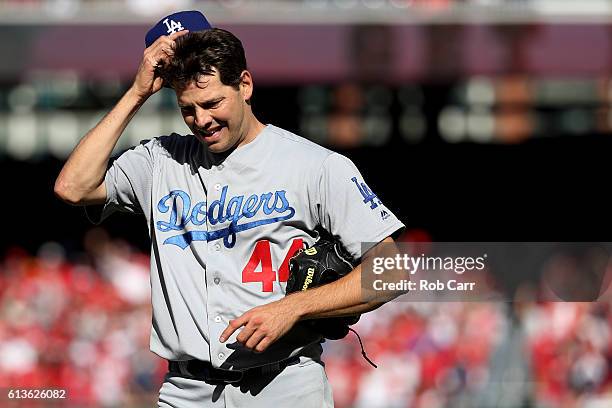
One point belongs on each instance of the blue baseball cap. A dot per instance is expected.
(191, 20)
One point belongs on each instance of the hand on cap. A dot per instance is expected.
(147, 82)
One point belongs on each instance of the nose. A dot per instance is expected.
(203, 119)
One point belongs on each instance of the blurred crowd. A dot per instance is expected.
(82, 325)
(81, 322)
(428, 355)
(570, 345)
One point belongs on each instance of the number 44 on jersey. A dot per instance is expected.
(267, 275)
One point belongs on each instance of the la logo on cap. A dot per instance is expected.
(191, 20)
(173, 26)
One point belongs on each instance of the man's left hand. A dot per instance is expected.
(263, 325)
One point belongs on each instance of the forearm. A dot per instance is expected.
(345, 296)
(349, 311)
(85, 168)
(340, 298)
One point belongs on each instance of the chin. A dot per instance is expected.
(216, 148)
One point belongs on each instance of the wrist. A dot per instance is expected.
(296, 304)
(136, 97)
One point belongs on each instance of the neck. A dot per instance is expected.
(254, 127)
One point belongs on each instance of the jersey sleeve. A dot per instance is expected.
(128, 183)
(349, 209)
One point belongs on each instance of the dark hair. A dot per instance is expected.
(199, 53)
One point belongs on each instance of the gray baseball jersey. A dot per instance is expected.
(223, 228)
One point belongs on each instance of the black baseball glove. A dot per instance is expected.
(324, 262)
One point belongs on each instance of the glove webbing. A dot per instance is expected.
(363, 353)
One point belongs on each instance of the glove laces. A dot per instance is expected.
(363, 353)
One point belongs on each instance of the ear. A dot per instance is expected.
(246, 85)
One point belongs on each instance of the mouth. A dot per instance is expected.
(211, 135)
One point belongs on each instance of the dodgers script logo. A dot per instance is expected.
(262, 207)
(368, 196)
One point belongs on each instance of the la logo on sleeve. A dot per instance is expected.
(368, 196)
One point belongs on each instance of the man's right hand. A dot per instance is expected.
(81, 181)
(147, 82)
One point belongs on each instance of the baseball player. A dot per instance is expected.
(226, 208)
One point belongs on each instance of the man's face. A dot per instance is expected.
(214, 112)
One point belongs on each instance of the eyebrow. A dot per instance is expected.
(208, 102)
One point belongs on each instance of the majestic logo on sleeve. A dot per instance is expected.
(368, 196)
(267, 208)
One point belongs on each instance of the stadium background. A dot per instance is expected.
(476, 120)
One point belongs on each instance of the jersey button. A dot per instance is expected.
(220, 167)
(217, 186)
(216, 280)
(217, 247)
(218, 319)
(221, 356)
